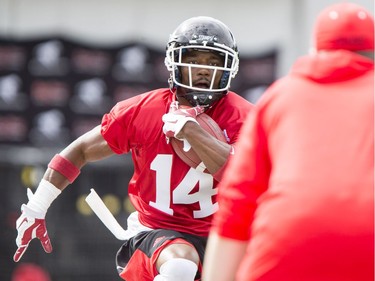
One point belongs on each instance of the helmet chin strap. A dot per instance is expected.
(205, 99)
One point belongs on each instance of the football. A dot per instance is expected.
(190, 157)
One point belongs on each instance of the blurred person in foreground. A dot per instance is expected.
(174, 202)
(30, 272)
(297, 200)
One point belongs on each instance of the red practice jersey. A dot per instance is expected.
(301, 187)
(167, 193)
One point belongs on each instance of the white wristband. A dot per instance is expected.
(45, 194)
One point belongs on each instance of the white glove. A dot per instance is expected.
(31, 223)
(176, 119)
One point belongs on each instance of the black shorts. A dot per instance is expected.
(136, 258)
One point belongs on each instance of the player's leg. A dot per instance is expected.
(161, 253)
(179, 260)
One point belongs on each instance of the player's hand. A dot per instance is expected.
(177, 117)
(30, 225)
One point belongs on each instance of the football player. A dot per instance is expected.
(174, 202)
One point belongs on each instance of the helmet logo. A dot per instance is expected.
(202, 38)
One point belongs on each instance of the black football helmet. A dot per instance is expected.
(208, 34)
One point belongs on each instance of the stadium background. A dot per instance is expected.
(64, 63)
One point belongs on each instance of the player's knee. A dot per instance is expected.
(174, 251)
(177, 269)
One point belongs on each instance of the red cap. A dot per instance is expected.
(344, 26)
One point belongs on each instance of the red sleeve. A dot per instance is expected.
(112, 128)
(119, 126)
(131, 123)
(244, 180)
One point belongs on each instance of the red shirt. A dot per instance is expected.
(301, 186)
(165, 191)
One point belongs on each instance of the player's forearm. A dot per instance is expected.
(211, 151)
(87, 148)
(57, 179)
